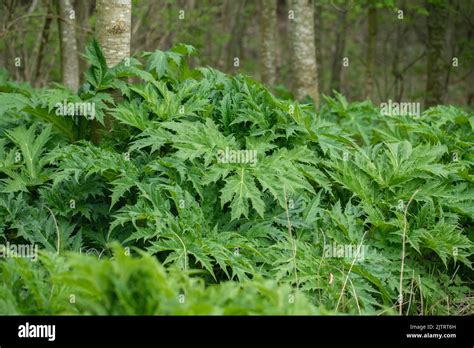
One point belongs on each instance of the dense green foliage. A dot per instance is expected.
(77, 284)
(344, 175)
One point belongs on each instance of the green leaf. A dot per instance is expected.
(157, 62)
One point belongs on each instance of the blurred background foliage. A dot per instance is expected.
(224, 29)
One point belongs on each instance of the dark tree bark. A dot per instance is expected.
(318, 42)
(398, 52)
(470, 78)
(435, 68)
(42, 45)
(371, 46)
(234, 13)
(83, 12)
(339, 51)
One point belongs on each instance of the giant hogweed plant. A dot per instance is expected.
(399, 188)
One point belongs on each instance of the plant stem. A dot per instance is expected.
(291, 237)
(402, 268)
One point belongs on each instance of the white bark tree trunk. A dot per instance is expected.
(304, 51)
(268, 27)
(68, 44)
(113, 29)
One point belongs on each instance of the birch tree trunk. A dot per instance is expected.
(304, 51)
(113, 29)
(68, 44)
(268, 27)
(113, 32)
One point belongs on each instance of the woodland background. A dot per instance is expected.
(174, 83)
(400, 50)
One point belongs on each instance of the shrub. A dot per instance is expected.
(174, 177)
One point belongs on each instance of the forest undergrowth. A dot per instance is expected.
(207, 194)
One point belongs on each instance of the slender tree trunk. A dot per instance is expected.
(43, 43)
(398, 52)
(113, 28)
(339, 51)
(268, 27)
(209, 44)
(318, 42)
(470, 78)
(113, 32)
(470, 93)
(67, 34)
(83, 12)
(304, 52)
(233, 47)
(371, 44)
(283, 53)
(436, 26)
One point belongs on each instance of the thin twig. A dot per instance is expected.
(355, 296)
(6, 29)
(185, 251)
(57, 229)
(421, 294)
(291, 237)
(319, 267)
(350, 270)
(411, 291)
(405, 223)
(454, 274)
(386, 310)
